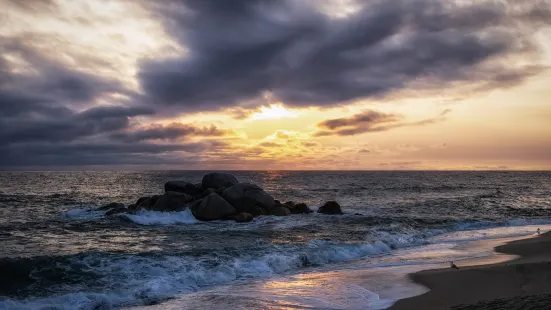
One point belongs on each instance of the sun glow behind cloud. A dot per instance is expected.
(274, 111)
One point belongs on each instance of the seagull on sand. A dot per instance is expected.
(453, 265)
(538, 231)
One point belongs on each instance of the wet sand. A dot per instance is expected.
(522, 283)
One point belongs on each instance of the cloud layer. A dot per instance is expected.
(51, 114)
(232, 56)
(370, 121)
(240, 50)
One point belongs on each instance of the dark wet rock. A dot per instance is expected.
(277, 203)
(300, 208)
(220, 191)
(257, 211)
(141, 199)
(280, 211)
(289, 204)
(212, 207)
(132, 207)
(243, 217)
(245, 197)
(148, 202)
(206, 192)
(217, 180)
(113, 205)
(116, 211)
(172, 201)
(183, 187)
(330, 207)
(358, 214)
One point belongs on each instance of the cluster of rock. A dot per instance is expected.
(219, 196)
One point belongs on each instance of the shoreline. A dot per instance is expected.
(514, 284)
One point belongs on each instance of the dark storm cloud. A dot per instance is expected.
(75, 126)
(103, 153)
(46, 101)
(47, 81)
(239, 50)
(371, 121)
(171, 131)
(368, 118)
(50, 115)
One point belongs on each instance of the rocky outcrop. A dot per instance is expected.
(243, 217)
(217, 180)
(289, 204)
(183, 187)
(207, 192)
(330, 207)
(171, 201)
(147, 203)
(212, 207)
(141, 199)
(246, 197)
(218, 197)
(257, 211)
(281, 211)
(300, 208)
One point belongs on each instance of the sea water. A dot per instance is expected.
(58, 252)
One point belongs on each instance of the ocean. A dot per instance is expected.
(58, 252)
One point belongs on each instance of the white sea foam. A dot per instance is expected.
(85, 213)
(135, 280)
(161, 218)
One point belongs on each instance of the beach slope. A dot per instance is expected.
(523, 283)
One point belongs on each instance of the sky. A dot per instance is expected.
(275, 84)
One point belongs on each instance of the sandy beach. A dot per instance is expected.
(521, 283)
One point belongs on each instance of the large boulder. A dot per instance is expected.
(330, 207)
(183, 187)
(141, 199)
(257, 211)
(281, 211)
(212, 207)
(205, 193)
(246, 197)
(243, 217)
(217, 180)
(300, 208)
(146, 202)
(289, 204)
(171, 201)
